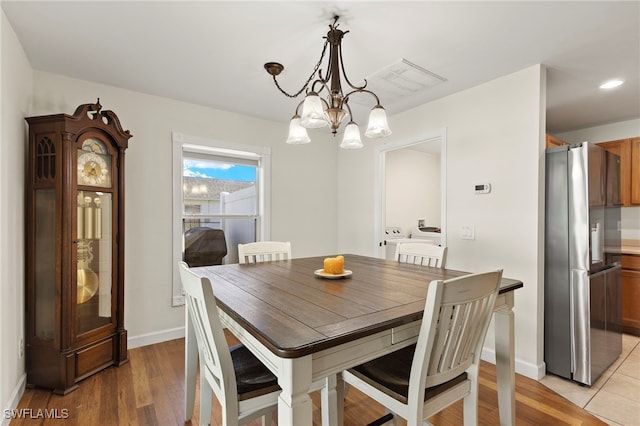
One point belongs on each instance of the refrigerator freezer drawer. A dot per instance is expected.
(605, 319)
(580, 325)
(596, 325)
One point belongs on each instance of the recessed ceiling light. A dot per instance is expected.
(611, 84)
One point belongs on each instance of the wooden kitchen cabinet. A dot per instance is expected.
(635, 171)
(631, 294)
(553, 141)
(629, 152)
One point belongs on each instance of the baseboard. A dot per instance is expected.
(532, 371)
(157, 337)
(12, 404)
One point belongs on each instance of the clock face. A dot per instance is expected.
(94, 169)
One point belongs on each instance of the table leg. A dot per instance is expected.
(332, 400)
(190, 366)
(294, 404)
(505, 362)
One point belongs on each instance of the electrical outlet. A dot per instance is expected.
(21, 348)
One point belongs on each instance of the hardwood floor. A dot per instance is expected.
(149, 390)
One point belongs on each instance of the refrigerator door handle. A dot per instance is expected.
(580, 325)
(597, 243)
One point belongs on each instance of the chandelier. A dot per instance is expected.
(318, 112)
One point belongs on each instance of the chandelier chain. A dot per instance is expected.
(315, 69)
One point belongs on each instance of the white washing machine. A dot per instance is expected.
(427, 234)
(394, 236)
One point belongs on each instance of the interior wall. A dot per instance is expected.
(15, 95)
(306, 173)
(412, 188)
(494, 135)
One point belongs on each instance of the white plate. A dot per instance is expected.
(322, 274)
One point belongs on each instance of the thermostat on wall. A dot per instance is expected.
(483, 188)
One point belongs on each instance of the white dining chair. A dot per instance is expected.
(421, 254)
(442, 367)
(264, 251)
(245, 388)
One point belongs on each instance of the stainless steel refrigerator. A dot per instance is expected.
(582, 305)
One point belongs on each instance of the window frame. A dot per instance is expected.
(182, 142)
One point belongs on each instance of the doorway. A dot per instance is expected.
(394, 184)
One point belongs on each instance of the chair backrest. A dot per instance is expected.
(212, 345)
(456, 317)
(264, 251)
(421, 254)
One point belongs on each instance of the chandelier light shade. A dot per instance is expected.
(351, 139)
(378, 125)
(297, 134)
(315, 111)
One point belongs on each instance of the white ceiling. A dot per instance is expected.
(212, 52)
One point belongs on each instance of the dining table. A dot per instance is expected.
(307, 327)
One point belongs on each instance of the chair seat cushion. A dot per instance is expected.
(390, 374)
(252, 377)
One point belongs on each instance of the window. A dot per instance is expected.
(220, 186)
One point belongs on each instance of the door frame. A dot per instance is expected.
(379, 191)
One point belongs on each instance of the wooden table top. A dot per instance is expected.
(294, 313)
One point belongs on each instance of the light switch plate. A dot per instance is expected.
(467, 232)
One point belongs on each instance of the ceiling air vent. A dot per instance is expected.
(401, 79)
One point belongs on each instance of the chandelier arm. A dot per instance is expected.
(298, 107)
(325, 80)
(344, 73)
(322, 82)
(326, 104)
(358, 90)
(324, 49)
(346, 103)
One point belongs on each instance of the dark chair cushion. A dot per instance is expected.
(252, 377)
(390, 374)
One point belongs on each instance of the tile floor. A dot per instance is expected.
(614, 397)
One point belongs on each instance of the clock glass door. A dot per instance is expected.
(95, 275)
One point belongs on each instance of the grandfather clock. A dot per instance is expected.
(74, 247)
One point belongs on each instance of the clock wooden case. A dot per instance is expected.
(74, 247)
